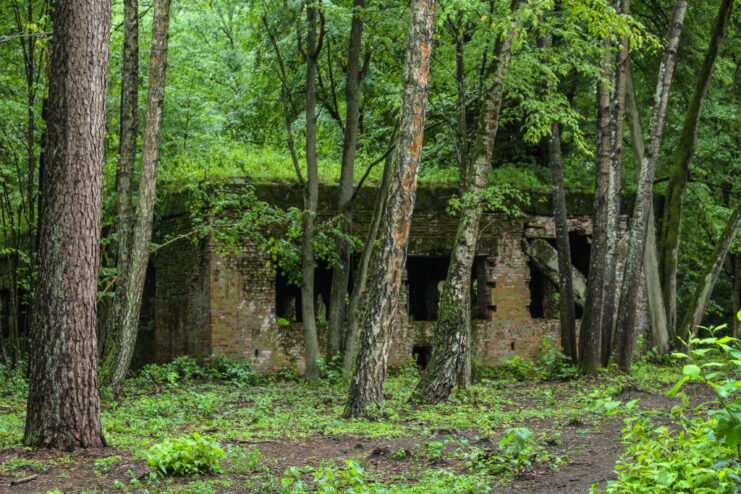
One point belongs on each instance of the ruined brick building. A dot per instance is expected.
(198, 302)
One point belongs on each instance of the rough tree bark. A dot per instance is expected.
(673, 201)
(625, 327)
(341, 273)
(696, 309)
(613, 196)
(657, 313)
(353, 308)
(63, 405)
(116, 363)
(124, 174)
(366, 387)
(590, 332)
(452, 330)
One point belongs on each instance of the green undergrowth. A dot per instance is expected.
(203, 423)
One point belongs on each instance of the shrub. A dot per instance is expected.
(13, 380)
(699, 454)
(191, 455)
(238, 373)
(185, 368)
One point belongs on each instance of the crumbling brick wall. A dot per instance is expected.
(208, 303)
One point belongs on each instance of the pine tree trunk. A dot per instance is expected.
(590, 332)
(701, 297)
(116, 364)
(311, 195)
(366, 387)
(124, 178)
(613, 197)
(341, 273)
(685, 151)
(353, 309)
(452, 328)
(63, 406)
(625, 328)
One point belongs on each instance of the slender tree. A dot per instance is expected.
(701, 297)
(341, 273)
(567, 311)
(124, 174)
(354, 312)
(366, 387)
(311, 196)
(683, 154)
(116, 363)
(63, 406)
(453, 322)
(609, 291)
(657, 313)
(590, 332)
(625, 327)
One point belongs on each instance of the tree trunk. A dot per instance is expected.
(696, 308)
(341, 273)
(453, 319)
(63, 407)
(116, 364)
(366, 387)
(624, 334)
(613, 196)
(124, 177)
(462, 114)
(566, 278)
(311, 194)
(657, 313)
(590, 332)
(683, 154)
(353, 310)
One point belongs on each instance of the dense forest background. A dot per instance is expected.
(223, 114)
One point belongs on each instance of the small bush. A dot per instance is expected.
(332, 370)
(13, 380)
(188, 456)
(185, 368)
(238, 373)
(698, 453)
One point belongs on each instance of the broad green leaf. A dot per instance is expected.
(672, 392)
(691, 370)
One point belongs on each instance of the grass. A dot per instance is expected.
(279, 410)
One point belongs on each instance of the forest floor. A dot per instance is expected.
(284, 435)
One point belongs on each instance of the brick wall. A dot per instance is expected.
(206, 302)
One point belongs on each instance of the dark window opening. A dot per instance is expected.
(287, 299)
(426, 276)
(543, 295)
(537, 292)
(421, 354)
(480, 289)
(288, 295)
(581, 248)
